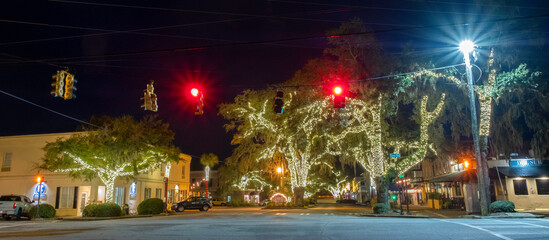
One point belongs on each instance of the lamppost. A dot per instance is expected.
(39, 180)
(467, 47)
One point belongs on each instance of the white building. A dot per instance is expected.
(21, 155)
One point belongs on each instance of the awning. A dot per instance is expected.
(461, 176)
(529, 171)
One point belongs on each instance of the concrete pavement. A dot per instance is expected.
(324, 222)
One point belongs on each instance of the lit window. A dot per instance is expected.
(119, 195)
(66, 197)
(543, 186)
(6, 164)
(183, 171)
(158, 193)
(521, 188)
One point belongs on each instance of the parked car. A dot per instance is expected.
(264, 202)
(219, 202)
(200, 203)
(14, 206)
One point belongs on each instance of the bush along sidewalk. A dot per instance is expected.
(502, 206)
(102, 210)
(46, 211)
(151, 206)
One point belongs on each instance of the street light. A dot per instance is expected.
(279, 170)
(467, 47)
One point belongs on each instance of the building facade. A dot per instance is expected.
(21, 155)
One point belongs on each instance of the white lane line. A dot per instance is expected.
(438, 214)
(16, 225)
(308, 214)
(530, 224)
(539, 219)
(478, 228)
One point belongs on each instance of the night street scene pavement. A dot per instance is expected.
(274, 119)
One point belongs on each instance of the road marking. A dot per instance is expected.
(537, 219)
(524, 223)
(438, 214)
(479, 228)
(301, 214)
(308, 214)
(16, 225)
(280, 214)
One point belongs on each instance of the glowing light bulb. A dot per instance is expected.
(466, 46)
(194, 92)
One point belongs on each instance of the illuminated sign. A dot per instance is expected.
(42, 192)
(133, 190)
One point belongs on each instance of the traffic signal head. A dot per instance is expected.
(338, 90)
(278, 103)
(69, 86)
(194, 92)
(394, 196)
(339, 97)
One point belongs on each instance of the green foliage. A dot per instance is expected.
(46, 211)
(502, 206)
(381, 208)
(119, 147)
(240, 203)
(209, 160)
(151, 206)
(102, 210)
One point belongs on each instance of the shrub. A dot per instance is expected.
(240, 203)
(381, 208)
(151, 206)
(46, 211)
(502, 206)
(102, 210)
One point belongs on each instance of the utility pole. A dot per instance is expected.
(482, 169)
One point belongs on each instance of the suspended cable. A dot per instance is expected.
(211, 46)
(45, 108)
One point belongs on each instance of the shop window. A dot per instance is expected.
(147, 193)
(65, 197)
(520, 186)
(543, 186)
(6, 163)
(119, 196)
(158, 193)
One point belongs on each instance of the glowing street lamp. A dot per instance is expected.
(279, 170)
(467, 47)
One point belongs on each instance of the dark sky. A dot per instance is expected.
(116, 47)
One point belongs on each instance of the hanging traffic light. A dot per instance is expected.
(278, 103)
(59, 84)
(69, 87)
(64, 85)
(394, 196)
(149, 98)
(339, 97)
(198, 102)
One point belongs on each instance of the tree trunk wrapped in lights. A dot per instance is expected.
(121, 147)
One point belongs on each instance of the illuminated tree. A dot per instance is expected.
(120, 147)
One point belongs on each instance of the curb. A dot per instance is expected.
(101, 218)
(503, 216)
(393, 216)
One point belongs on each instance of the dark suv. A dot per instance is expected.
(200, 203)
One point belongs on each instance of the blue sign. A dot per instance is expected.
(133, 190)
(394, 155)
(42, 192)
(522, 163)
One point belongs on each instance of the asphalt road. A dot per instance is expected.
(324, 222)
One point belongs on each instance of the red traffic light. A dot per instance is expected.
(338, 90)
(194, 92)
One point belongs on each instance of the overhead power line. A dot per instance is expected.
(47, 109)
(203, 47)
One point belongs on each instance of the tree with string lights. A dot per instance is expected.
(120, 147)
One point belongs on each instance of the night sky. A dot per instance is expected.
(116, 47)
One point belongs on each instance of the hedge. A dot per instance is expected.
(46, 211)
(502, 206)
(151, 206)
(102, 210)
(381, 208)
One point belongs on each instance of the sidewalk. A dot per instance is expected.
(435, 213)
